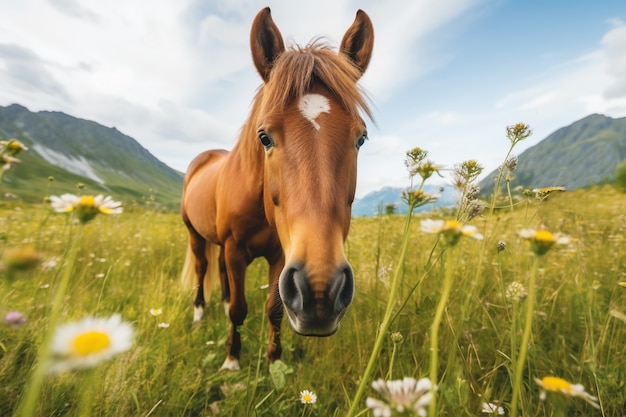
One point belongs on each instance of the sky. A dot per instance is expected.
(447, 76)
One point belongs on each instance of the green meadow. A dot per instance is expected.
(504, 316)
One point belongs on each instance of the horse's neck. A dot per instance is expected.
(246, 155)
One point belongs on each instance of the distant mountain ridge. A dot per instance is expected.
(74, 150)
(374, 202)
(584, 153)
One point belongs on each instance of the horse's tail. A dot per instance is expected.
(188, 277)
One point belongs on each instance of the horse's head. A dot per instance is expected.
(309, 128)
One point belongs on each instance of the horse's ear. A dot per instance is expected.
(266, 42)
(358, 41)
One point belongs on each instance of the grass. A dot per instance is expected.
(130, 263)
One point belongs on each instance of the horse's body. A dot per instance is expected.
(285, 190)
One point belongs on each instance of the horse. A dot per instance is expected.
(285, 190)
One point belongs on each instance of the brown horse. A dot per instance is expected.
(285, 191)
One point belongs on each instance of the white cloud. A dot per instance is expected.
(614, 43)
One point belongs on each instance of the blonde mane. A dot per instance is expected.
(298, 69)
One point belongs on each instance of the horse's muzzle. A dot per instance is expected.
(315, 307)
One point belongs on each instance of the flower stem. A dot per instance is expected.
(521, 360)
(26, 407)
(434, 333)
(387, 319)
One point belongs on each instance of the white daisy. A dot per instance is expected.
(451, 230)
(85, 343)
(490, 408)
(400, 395)
(556, 384)
(86, 207)
(307, 397)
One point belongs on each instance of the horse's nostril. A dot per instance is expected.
(342, 290)
(293, 289)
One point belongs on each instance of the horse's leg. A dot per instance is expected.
(224, 282)
(236, 263)
(274, 310)
(198, 246)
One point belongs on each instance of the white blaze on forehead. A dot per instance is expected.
(311, 105)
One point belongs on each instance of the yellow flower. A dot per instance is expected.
(451, 230)
(86, 343)
(12, 147)
(21, 258)
(86, 207)
(622, 284)
(542, 240)
(543, 192)
(556, 384)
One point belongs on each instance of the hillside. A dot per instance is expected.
(581, 154)
(75, 151)
(373, 202)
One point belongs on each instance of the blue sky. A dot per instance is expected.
(447, 76)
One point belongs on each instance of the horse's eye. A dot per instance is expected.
(266, 140)
(361, 140)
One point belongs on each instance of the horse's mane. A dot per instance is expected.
(297, 69)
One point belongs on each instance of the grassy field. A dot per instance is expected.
(130, 263)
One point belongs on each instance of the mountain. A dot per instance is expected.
(73, 150)
(584, 153)
(375, 201)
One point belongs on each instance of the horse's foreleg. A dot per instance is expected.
(236, 264)
(224, 282)
(198, 246)
(274, 310)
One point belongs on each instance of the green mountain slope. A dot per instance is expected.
(80, 151)
(584, 153)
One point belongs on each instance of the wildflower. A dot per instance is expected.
(542, 240)
(511, 163)
(7, 161)
(418, 198)
(518, 132)
(414, 158)
(541, 193)
(451, 230)
(516, 292)
(86, 207)
(489, 408)
(50, 263)
(472, 192)
(474, 208)
(400, 395)
(556, 384)
(163, 325)
(156, 311)
(427, 169)
(15, 319)
(21, 258)
(467, 171)
(12, 147)
(308, 397)
(86, 343)
(622, 284)
(396, 337)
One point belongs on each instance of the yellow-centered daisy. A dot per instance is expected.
(88, 342)
(556, 384)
